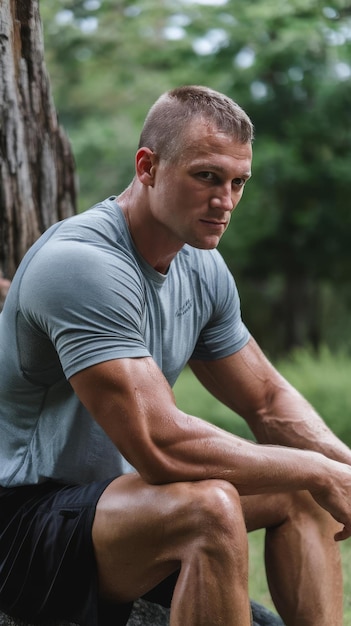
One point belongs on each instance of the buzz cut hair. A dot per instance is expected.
(164, 130)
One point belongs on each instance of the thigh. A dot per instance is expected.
(142, 533)
(273, 510)
(265, 510)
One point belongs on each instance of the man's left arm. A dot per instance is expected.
(275, 411)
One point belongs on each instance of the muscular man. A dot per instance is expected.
(109, 491)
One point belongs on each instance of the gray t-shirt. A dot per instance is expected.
(83, 295)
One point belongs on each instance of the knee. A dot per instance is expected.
(215, 510)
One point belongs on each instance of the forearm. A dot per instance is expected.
(275, 411)
(289, 420)
(196, 450)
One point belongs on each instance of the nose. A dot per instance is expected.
(223, 199)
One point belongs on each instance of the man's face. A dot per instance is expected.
(192, 199)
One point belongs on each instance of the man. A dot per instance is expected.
(103, 314)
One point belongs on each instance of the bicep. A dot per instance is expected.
(130, 399)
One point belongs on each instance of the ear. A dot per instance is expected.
(145, 162)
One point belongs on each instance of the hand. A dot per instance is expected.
(335, 496)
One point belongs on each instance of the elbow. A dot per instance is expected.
(160, 471)
(155, 466)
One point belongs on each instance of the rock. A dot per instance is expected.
(264, 617)
(148, 614)
(6, 620)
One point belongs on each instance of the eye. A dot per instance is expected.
(208, 176)
(238, 182)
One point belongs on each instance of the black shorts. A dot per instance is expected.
(47, 562)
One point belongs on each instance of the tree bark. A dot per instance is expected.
(37, 180)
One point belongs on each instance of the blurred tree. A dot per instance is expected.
(287, 62)
(36, 164)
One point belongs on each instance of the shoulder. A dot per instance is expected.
(96, 237)
(88, 258)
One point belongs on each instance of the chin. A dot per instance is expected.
(205, 245)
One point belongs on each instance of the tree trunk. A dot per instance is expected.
(37, 181)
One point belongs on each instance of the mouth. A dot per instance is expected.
(215, 223)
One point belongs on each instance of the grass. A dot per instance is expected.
(325, 382)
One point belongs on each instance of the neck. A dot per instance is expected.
(149, 236)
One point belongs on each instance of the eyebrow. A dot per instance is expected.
(206, 165)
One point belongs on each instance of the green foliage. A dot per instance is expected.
(193, 398)
(324, 381)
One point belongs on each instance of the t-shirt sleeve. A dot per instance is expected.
(88, 302)
(225, 332)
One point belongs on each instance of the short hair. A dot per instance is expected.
(170, 115)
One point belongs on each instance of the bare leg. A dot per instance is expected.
(302, 559)
(142, 533)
